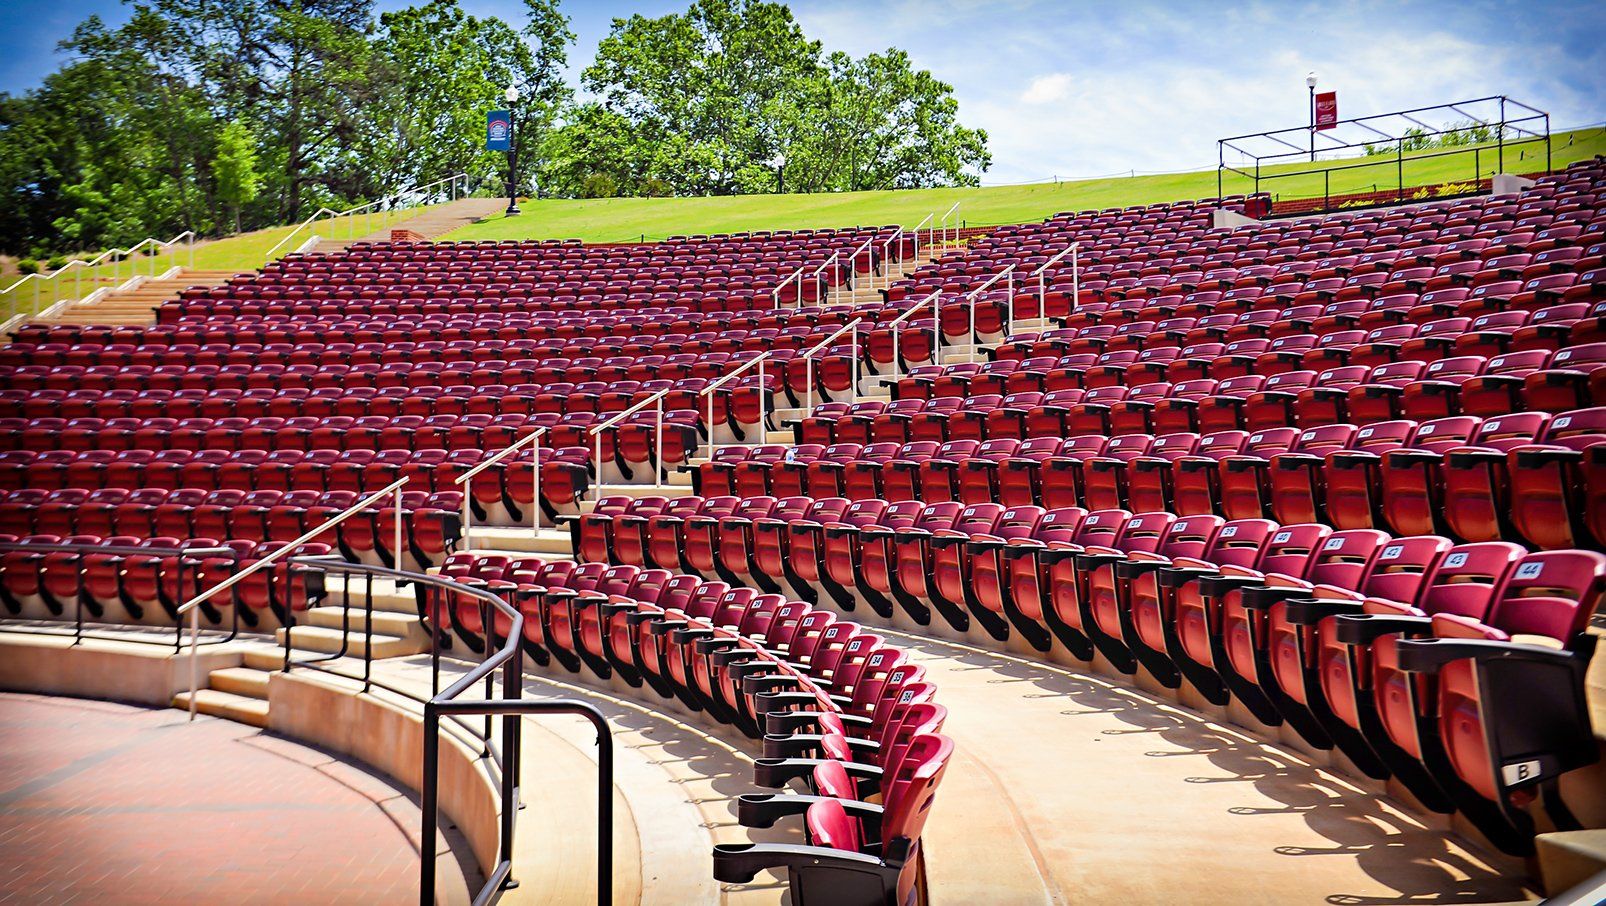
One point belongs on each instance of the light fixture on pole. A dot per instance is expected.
(512, 98)
(1310, 82)
(779, 163)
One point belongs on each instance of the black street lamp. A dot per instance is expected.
(1310, 82)
(779, 163)
(512, 96)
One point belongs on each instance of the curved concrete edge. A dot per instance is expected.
(101, 668)
(326, 712)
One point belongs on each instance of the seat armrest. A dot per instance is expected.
(1310, 611)
(1364, 628)
(1428, 655)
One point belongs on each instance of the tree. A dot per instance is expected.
(234, 169)
(704, 100)
(438, 70)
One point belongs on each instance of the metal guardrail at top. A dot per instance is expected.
(1042, 279)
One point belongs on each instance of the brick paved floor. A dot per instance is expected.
(121, 804)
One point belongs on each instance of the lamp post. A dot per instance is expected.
(779, 163)
(1310, 82)
(512, 97)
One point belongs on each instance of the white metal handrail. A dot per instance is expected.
(929, 231)
(763, 414)
(950, 213)
(117, 256)
(935, 300)
(452, 182)
(467, 478)
(971, 299)
(808, 361)
(657, 399)
(819, 282)
(853, 262)
(796, 275)
(192, 606)
(887, 247)
(1042, 279)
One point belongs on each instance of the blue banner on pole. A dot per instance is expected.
(499, 131)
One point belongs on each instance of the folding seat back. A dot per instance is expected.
(1401, 567)
(1467, 578)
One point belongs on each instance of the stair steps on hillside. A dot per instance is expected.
(136, 305)
(430, 224)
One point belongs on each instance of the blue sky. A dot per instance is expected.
(1081, 89)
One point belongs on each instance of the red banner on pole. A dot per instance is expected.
(1327, 110)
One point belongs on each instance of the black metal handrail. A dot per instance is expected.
(510, 706)
(185, 557)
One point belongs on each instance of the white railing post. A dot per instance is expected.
(710, 424)
(763, 416)
(658, 475)
(195, 653)
(597, 466)
(854, 396)
(535, 482)
(397, 506)
(1076, 280)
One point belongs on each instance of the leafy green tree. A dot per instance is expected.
(704, 100)
(234, 169)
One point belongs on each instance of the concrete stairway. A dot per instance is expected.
(436, 221)
(136, 305)
(241, 693)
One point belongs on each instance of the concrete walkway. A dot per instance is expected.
(1073, 788)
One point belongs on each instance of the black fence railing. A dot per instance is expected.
(445, 708)
(169, 570)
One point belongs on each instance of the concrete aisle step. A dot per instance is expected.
(242, 681)
(521, 539)
(227, 705)
(327, 641)
(385, 622)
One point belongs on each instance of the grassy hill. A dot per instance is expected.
(630, 219)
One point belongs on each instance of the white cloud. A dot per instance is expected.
(1047, 89)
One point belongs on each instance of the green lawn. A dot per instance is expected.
(630, 219)
(244, 252)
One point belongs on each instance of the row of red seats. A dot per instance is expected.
(1526, 477)
(1244, 609)
(431, 523)
(664, 332)
(129, 579)
(1467, 385)
(837, 707)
